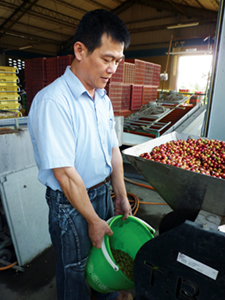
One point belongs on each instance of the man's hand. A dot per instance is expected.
(97, 232)
(122, 207)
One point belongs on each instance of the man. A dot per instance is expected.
(71, 124)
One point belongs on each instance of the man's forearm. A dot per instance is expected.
(75, 191)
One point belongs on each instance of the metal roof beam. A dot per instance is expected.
(69, 5)
(54, 15)
(200, 4)
(45, 14)
(177, 8)
(30, 37)
(98, 4)
(124, 6)
(191, 12)
(18, 13)
(42, 29)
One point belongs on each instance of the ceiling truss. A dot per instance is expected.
(63, 26)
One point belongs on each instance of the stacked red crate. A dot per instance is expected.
(126, 96)
(63, 62)
(115, 95)
(139, 70)
(35, 69)
(136, 96)
(149, 71)
(149, 94)
(51, 69)
(107, 89)
(39, 72)
(35, 78)
(129, 73)
(156, 74)
(133, 78)
(196, 98)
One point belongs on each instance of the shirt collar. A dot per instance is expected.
(77, 87)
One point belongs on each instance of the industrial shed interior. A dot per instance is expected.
(169, 86)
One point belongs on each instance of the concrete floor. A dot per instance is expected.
(37, 282)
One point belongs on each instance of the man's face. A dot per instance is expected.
(98, 67)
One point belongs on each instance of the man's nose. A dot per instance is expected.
(112, 67)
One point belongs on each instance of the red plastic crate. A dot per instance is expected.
(149, 71)
(195, 99)
(130, 60)
(126, 96)
(156, 75)
(35, 69)
(51, 68)
(124, 113)
(129, 73)
(63, 62)
(149, 94)
(139, 70)
(30, 95)
(32, 88)
(115, 95)
(136, 96)
(107, 89)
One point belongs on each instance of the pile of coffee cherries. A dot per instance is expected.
(198, 155)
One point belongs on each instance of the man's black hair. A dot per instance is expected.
(97, 22)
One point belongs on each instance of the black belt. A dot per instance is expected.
(107, 179)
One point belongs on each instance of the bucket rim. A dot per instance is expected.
(133, 218)
(106, 248)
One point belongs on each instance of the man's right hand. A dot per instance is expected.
(97, 231)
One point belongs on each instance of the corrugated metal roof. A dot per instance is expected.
(48, 27)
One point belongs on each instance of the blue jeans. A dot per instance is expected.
(69, 234)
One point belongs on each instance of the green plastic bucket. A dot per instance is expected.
(102, 273)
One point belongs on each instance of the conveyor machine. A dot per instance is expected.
(187, 261)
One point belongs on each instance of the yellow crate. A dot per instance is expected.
(5, 74)
(9, 88)
(4, 69)
(12, 78)
(10, 106)
(8, 84)
(8, 97)
(8, 93)
(5, 102)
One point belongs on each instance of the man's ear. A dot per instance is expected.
(78, 48)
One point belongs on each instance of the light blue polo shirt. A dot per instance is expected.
(68, 128)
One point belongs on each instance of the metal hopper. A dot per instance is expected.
(183, 190)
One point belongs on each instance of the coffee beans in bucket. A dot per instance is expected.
(125, 262)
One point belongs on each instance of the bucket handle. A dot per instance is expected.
(151, 229)
(108, 258)
(106, 254)
(103, 247)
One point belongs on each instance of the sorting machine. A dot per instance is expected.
(185, 261)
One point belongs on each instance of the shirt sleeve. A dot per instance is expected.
(52, 129)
